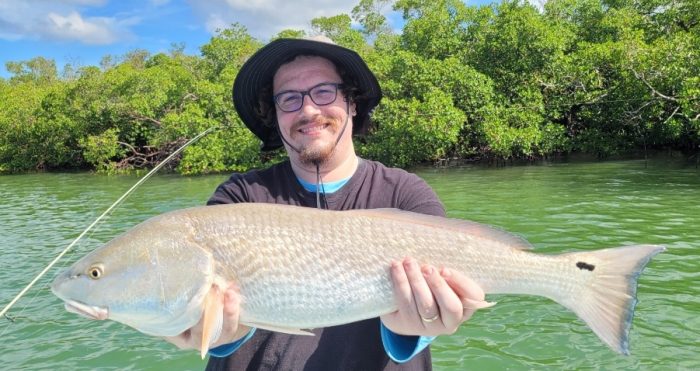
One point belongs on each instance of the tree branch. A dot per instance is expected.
(137, 116)
(653, 90)
(671, 115)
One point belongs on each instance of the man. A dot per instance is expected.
(310, 96)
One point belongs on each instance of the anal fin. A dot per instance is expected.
(286, 330)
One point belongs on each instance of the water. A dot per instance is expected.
(558, 207)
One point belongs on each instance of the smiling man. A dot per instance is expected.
(314, 133)
(311, 96)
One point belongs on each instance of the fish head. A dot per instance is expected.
(153, 278)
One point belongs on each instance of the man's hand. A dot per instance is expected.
(431, 301)
(231, 331)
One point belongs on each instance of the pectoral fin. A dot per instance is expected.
(213, 318)
(286, 330)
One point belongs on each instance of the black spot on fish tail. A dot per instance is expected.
(586, 266)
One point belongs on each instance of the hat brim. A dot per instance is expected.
(260, 68)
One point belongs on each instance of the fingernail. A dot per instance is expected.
(428, 270)
(445, 273)
(409, 263)
(478, 304)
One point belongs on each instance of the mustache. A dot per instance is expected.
(321, 119)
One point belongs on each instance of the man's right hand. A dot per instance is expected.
(231, 331)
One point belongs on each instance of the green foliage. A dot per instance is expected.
(368, 13)
(517, 45)
(690, 103)
(434, 29)
(101, 150)
(38, 70)
(339, 29)
(233, 148)
(411, 131)
(35, 133)
(504, 80)
(290, 34)
(517, 131)
(228, 50)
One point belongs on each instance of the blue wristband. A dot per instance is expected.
(228, 349)
(402, 348)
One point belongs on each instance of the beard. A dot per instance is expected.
(316, 155)
(317, 152)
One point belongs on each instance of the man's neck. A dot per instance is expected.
(330, 171)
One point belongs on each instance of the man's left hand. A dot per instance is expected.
(431, 301)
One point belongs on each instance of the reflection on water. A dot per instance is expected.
(558, 207)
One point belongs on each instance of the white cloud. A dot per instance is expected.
(94, 31)
(215, 22)
(255, 5)
(60, 20)
(71, 2)
(265, 18)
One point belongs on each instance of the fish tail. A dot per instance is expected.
(607, 297)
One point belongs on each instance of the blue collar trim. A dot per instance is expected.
(326, 188)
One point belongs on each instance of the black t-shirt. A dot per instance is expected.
(354, 346)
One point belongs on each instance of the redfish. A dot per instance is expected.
(300, 268)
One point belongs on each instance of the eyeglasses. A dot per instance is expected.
(322, 94)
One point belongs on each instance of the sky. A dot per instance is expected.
(81, 32)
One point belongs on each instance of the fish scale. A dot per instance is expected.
(299, 268)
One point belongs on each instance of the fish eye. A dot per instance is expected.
(95, 272)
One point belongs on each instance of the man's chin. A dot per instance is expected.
(316, 155)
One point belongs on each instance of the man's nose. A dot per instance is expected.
(309, 107)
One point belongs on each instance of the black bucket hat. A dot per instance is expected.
(259, 69)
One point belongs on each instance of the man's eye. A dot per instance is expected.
(323, 93)
(324, 90)
(289, 98)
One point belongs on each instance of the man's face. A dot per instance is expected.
(313, 129)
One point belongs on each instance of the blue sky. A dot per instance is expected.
(81, 32)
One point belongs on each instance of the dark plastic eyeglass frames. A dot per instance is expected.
(322, 94)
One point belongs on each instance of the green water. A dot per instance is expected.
(558, 207)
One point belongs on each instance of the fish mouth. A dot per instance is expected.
(87, 311)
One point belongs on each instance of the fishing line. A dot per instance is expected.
(99, 218)
(28, 319)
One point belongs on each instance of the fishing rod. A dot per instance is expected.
(104, 214)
